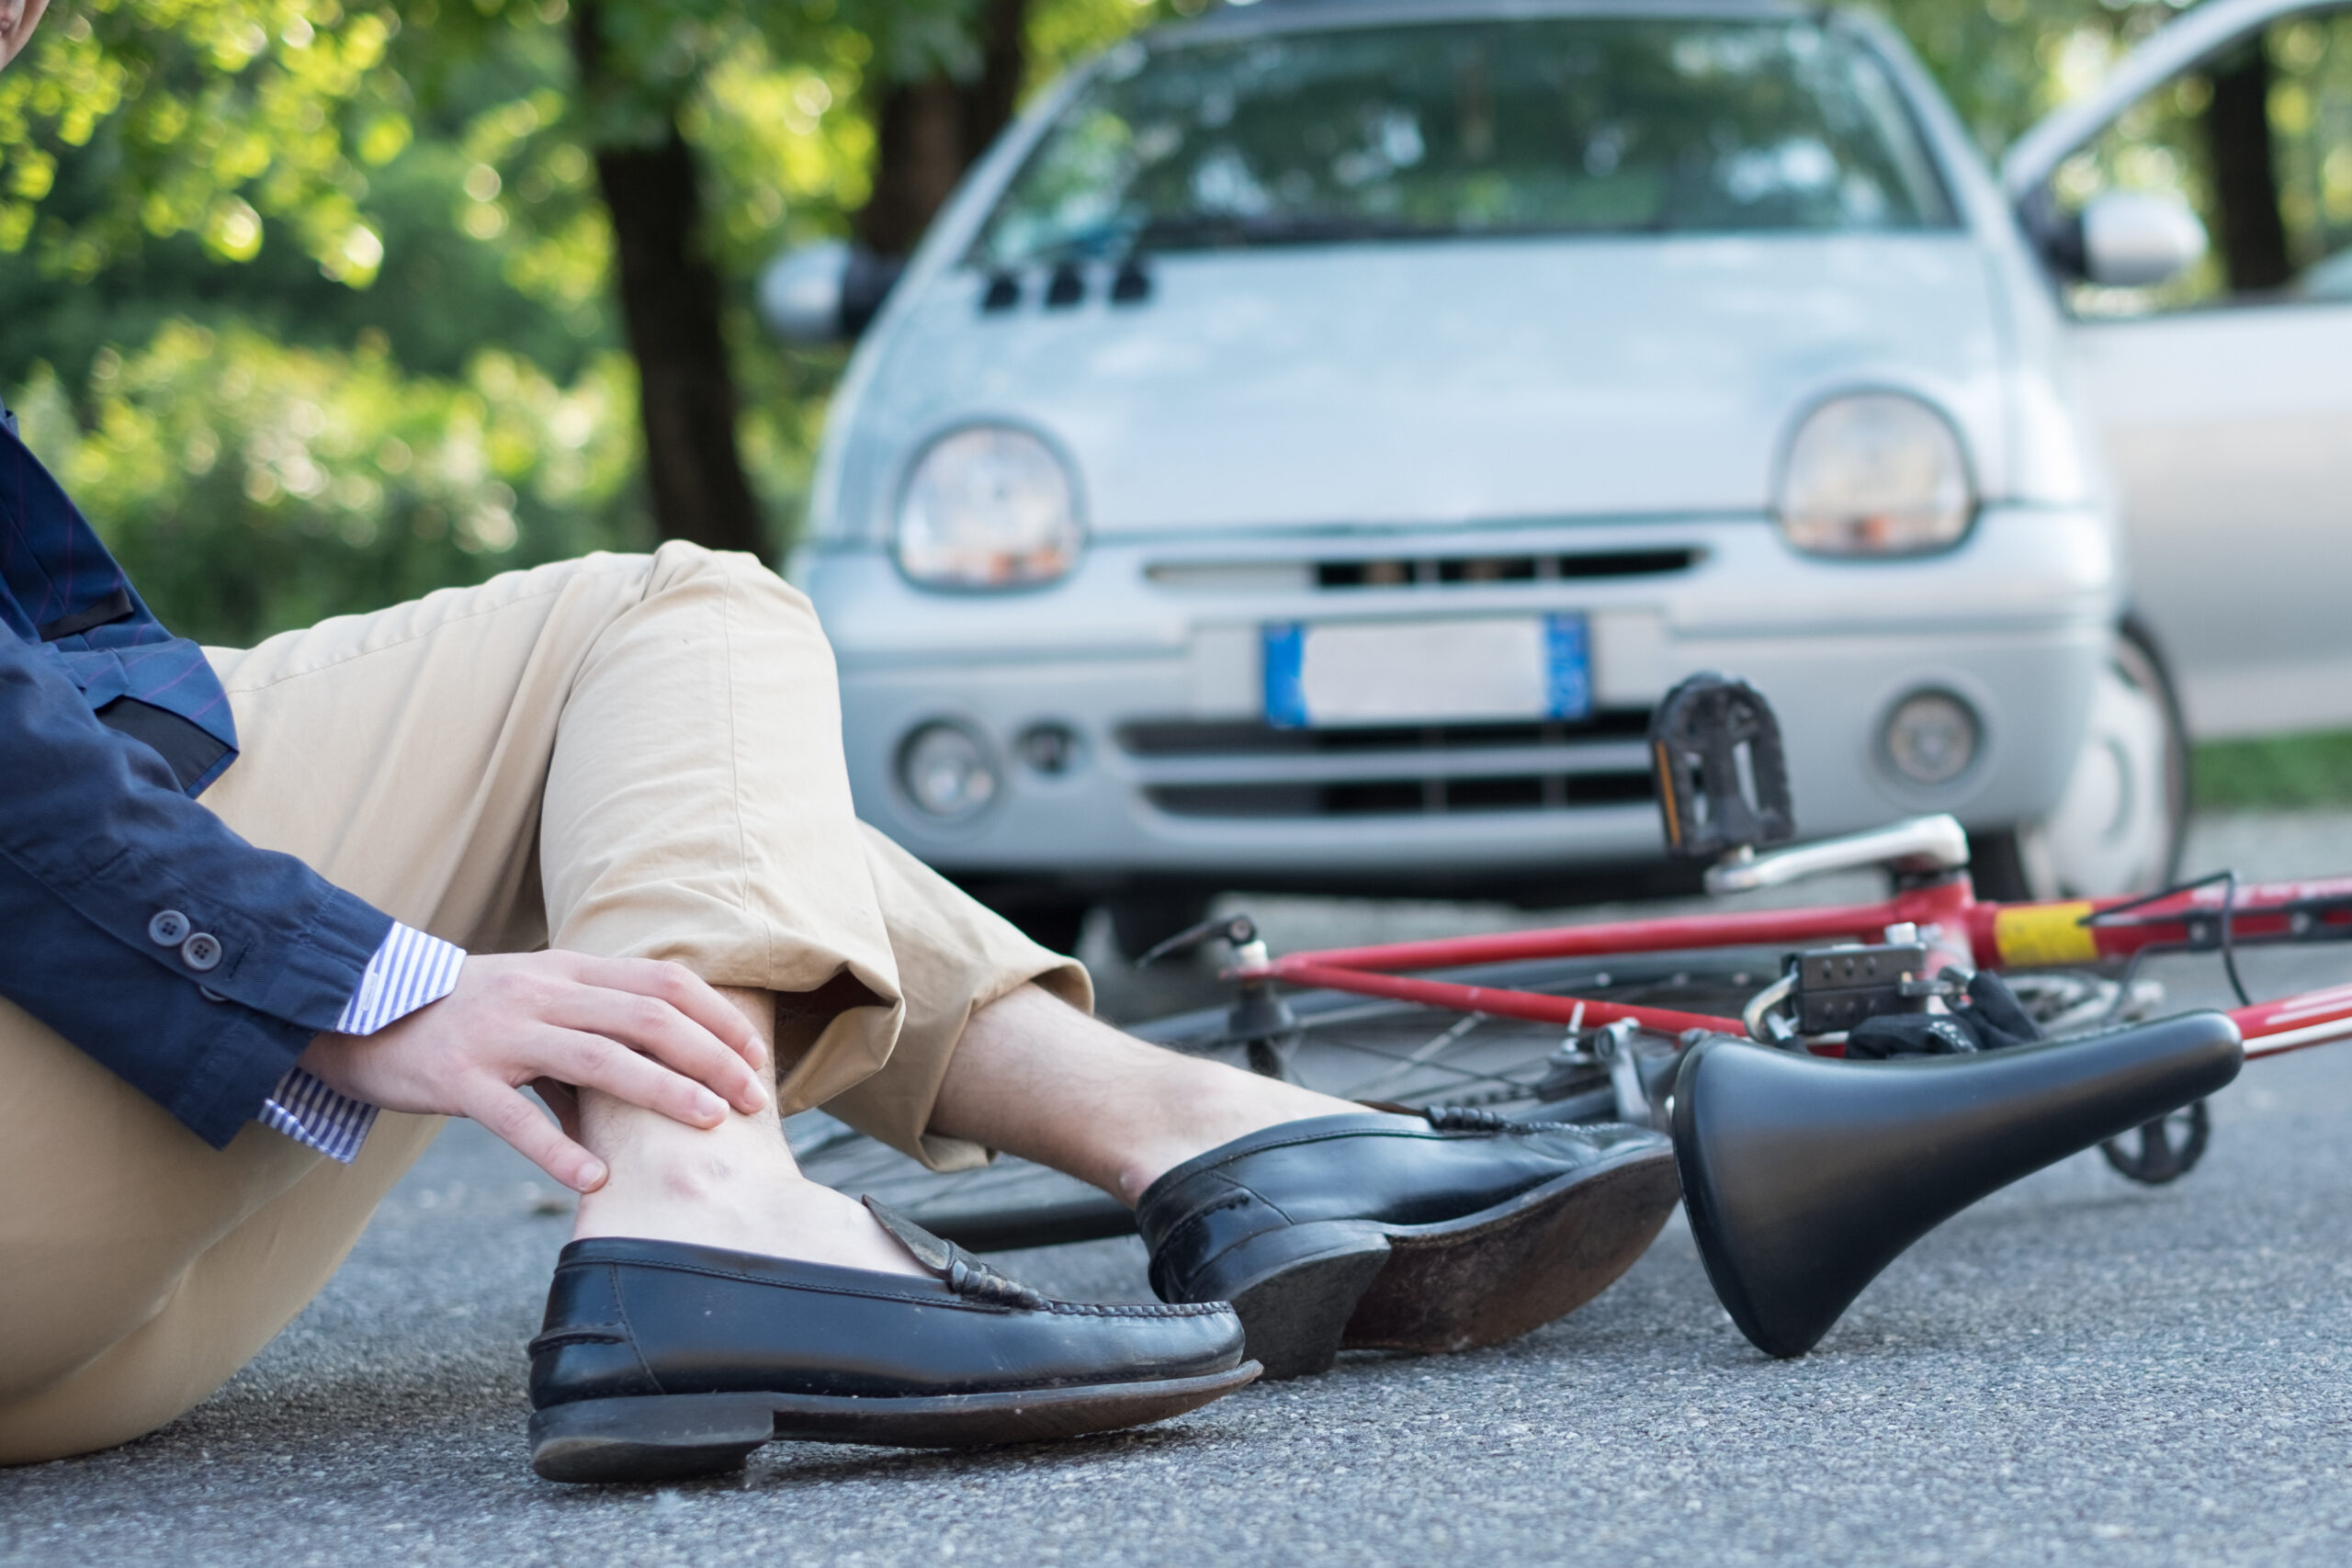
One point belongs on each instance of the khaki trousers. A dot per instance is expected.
(625, 755)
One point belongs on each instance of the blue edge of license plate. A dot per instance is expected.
(1568, 661)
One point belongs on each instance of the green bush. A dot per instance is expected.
(248, 487)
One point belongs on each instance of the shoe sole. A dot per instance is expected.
(1309, 1291)
(678, 1436)
(1494, 1276)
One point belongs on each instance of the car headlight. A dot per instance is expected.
(989, 507)
(1875, 474)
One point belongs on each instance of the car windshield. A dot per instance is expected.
(1557, 126)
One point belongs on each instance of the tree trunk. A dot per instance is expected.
(918, 157)
(989, 103)
(670, 306)
(928, 132)
(2246, 174)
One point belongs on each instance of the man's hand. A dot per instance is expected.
(648, 1032)
(18, 19)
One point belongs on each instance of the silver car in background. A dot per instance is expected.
(1311, 441)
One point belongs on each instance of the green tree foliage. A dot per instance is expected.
(210, 113)
(248, 486)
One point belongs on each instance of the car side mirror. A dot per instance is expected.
(828, 292)
(2137, 239)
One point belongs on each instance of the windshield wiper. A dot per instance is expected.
(1229, 231)
(1201, 231)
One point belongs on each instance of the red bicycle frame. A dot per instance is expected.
(1948, 915)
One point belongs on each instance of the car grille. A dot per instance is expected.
(1501, 569)
(1242, 769)
(1421, 571)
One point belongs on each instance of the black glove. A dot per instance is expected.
(1991, 1020)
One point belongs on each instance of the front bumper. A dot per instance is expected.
(1148, 658)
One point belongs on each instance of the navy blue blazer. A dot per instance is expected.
(110, 871)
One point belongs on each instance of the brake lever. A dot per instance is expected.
(1238, 931)
(1259, 1016)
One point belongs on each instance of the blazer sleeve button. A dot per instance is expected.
(201, 951)
(168, 929)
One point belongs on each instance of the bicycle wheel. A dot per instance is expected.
(1349, 1046)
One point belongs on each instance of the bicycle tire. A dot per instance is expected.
(1351, 1046)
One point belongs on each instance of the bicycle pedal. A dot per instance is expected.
(1723, 778)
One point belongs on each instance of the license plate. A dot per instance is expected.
(1427, 671)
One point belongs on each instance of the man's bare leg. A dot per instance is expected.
(1032, 1075)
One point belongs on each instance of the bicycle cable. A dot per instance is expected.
(2229, 929)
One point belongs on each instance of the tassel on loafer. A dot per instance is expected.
(661, 1361)
(1446, 1230)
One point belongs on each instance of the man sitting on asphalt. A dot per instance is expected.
(270, 914)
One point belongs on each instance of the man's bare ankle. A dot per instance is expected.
(734, 1186)
(1220, 1104)
(686, 1182)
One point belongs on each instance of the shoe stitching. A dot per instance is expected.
(1467, 1118)
(1166, 1241)
(1241, 1197)
(1326, 1137)
(1082, 1309)
(620, 1305)
(1478, 1119)
(1136, 1309)
(1237, 1197)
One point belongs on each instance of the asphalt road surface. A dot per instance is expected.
(2077, 1371)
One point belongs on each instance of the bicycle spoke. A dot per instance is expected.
(1463, 1073)
(1369, 1088)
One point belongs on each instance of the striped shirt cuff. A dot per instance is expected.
(408, 971)
(311, 1113)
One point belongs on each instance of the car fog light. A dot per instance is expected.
(1050, 749)
(946, 770)
(1932, 738)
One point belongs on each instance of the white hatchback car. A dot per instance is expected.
(1305, 447)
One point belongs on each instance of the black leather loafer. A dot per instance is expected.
(1441, 1231)
(661, 1361)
